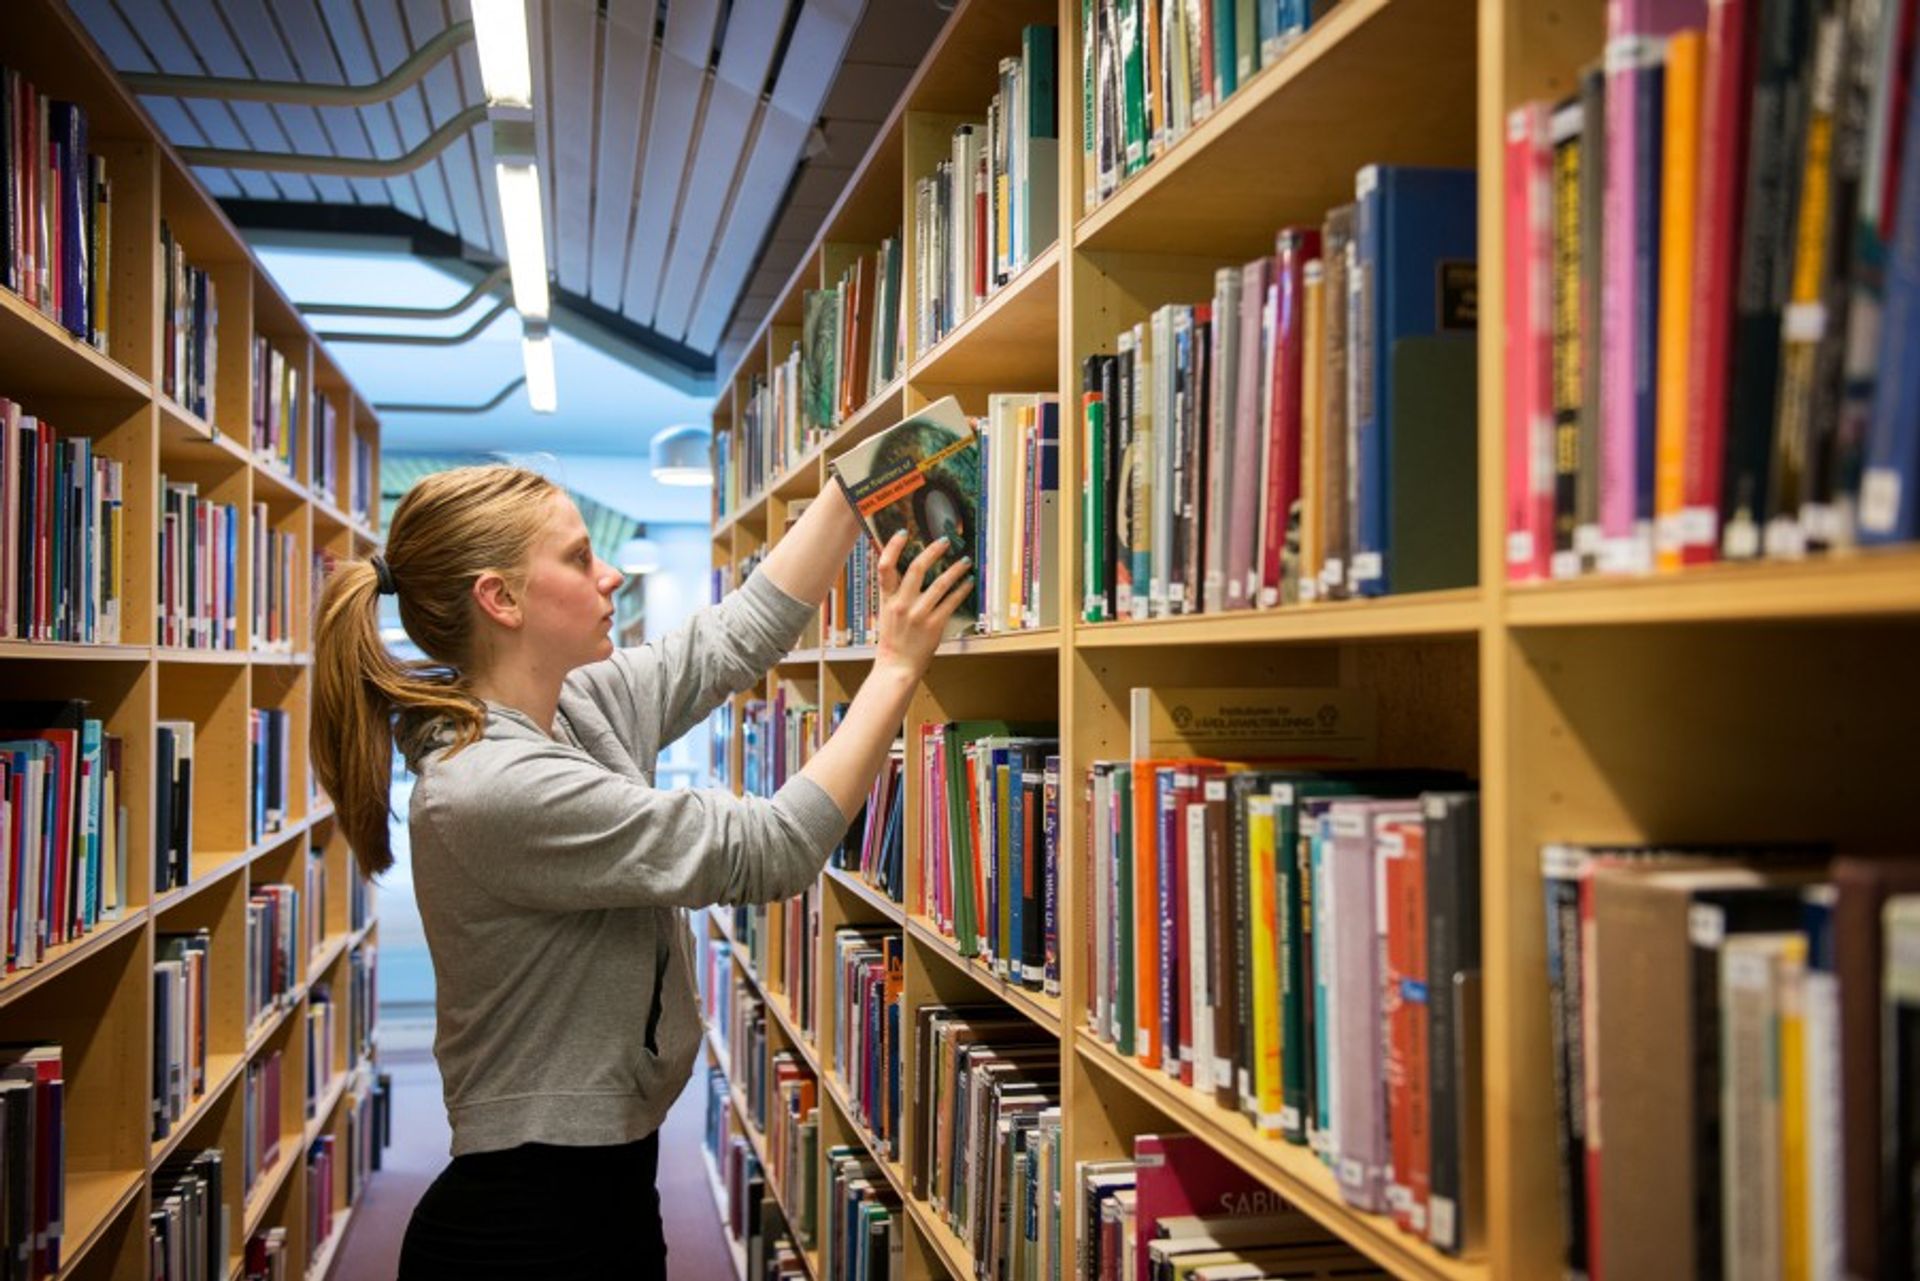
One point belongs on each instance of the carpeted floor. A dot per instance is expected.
(696, 1247)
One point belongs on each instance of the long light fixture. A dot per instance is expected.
(536, 348)
(506, 67)
(526, 237)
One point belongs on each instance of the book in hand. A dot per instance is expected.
(921, 475)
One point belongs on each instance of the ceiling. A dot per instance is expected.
(672, 137)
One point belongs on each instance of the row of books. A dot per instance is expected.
(274, 968)
(323, 1058)
(322, 1177)
(182, 981)
(269, 755)
(260, 1124)
(63, 826)
(62, 534)
(323, 476)
(862, 1234)
(751, 1216)
(190, 322)
(852, 344)
(1255, 449)
(992, 205)
(986, 1132)
(369, 1109)
(199, 565)
(1736, 1041)
(359, 901)
(268, 1256)
(1150, 70)
(33, 1158)
(363, 481)
(852, 611)
(713, 976)
(316, 896)
(777, 738)
(276, 407)
(746, 1042)
(188, 1226)
(363, 975)
(54, 227)
(788, 1113)
(1178, 1208)
(869, 1041)
(173, 744)
(989, 844)
(273, 603)
(1711, 292)
(778, 943)
(875, 846)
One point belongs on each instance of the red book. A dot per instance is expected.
(1179, 1174)
(1294, 247)
(1726, 98)
(1529, 344)
(1397, 1017)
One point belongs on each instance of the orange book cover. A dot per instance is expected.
(1679, 192)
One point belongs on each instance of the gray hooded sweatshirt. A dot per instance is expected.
(553, 881)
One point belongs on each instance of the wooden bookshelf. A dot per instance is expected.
(94, 995)
(1763, 701)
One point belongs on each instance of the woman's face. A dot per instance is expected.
(569, 592)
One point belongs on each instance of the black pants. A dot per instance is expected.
(538, 1211)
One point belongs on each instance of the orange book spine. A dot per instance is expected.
(1679, 203)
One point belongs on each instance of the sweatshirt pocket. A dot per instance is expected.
(656, 1001)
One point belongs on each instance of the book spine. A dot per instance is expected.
(1678, 217)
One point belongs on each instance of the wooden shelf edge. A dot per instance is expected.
(329, 1100)
(758, 1142)
(1874, 583)
(1037, 1008)
(776, 1005)
(229, 1066)
(868, 894)
(15, 310)
(1295, 1172)
(168, 900)
(115, 1191)
(329, 1252)
(895, 1174)
(67, 651)
(1458, 611)
(737, 1250)
(953, 1252)
(1031, 278)
(267, 1187)
(67, 955)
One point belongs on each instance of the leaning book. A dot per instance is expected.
(922, 476)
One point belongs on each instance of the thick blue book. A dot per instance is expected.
(1416, 239)
(1889, 503)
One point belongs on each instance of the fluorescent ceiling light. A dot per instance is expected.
(543, 394)
(681, 456)
(506, 68)
(638, 555)
(526, 238)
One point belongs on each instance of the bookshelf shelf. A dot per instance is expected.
(268, 1185)
(222, 1071)
(323, 1110)
(953, 1252)
(67, 956)
(735, 1248)
(94, 1201)
(37, 355)
(873, 898)
(776, 1006)
(876, 1152)
(67, 652)
(810, 1259)
(1374, 81)
(329, 1250)
(214, 869)
(804, 658)
(1042, 1009)
(1459, 612)
(1863, 585)
(1295, 1172)
(884, 410)
(1009, 343)
(1037, 640)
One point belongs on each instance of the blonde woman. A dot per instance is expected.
(551, 874)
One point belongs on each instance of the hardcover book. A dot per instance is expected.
(921, 475)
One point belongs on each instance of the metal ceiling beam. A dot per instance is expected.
(506, 391)
(344, 166)
(422, 340)
(235, 89)
(473, 295)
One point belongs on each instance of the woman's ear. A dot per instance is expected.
(496, 599)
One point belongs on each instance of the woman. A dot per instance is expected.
(550, 873)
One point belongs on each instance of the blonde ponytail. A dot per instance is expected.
(450, 528)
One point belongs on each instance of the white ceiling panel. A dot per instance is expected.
(348, 39)
(387, 31)
(572, 103)
(445, 100)
(626, 69)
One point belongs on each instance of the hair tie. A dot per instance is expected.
(382, 572)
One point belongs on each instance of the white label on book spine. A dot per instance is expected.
(1588, 540)
(1706, 925)
(1366, 567)
(1290, 1119)
(1441, 1229)
(1519, 547)
(1565, 565)
(1352, 1173)
(1820, 523)
(1562, 862)
(1699, 527)
(1879, 500)
(1333, 573)
(1785, 538)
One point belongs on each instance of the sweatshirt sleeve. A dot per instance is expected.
(567, 834)
(721, 650)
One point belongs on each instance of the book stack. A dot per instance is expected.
(1276, 930)
(274, 968)
(1711, 293)
(991, 206)
(792, 1127)
(862, 1234)
(851, 345)
(320, 1189)
(187, 1224)
(276, 407)
(260, 1126)
(759, 442)
(267, 1257)
(1153, 69)
(55, 237)
(726, 481)
(359, 903)
(268, 749)
(316, 899)
(868, 1039)
(1734, 1058)
(324, 473)
(987, 1084)
(62, 534)
(989, 844)
(363, 481)
(190, 318)
(366, 1130)
(779, 736)
(63, 826)
(875, 847)
(1180, 1208)
(747, 1053)
(713, 974)
(323, 1063)
(173, 743)
(33, 1090)
(778, 942)
(273, 604)
(853, 602)
(182, 978)
(362, 972)
(753, 1218)
(1255, 450)
(199, 562)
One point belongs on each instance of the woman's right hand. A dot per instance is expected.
(914, 612)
